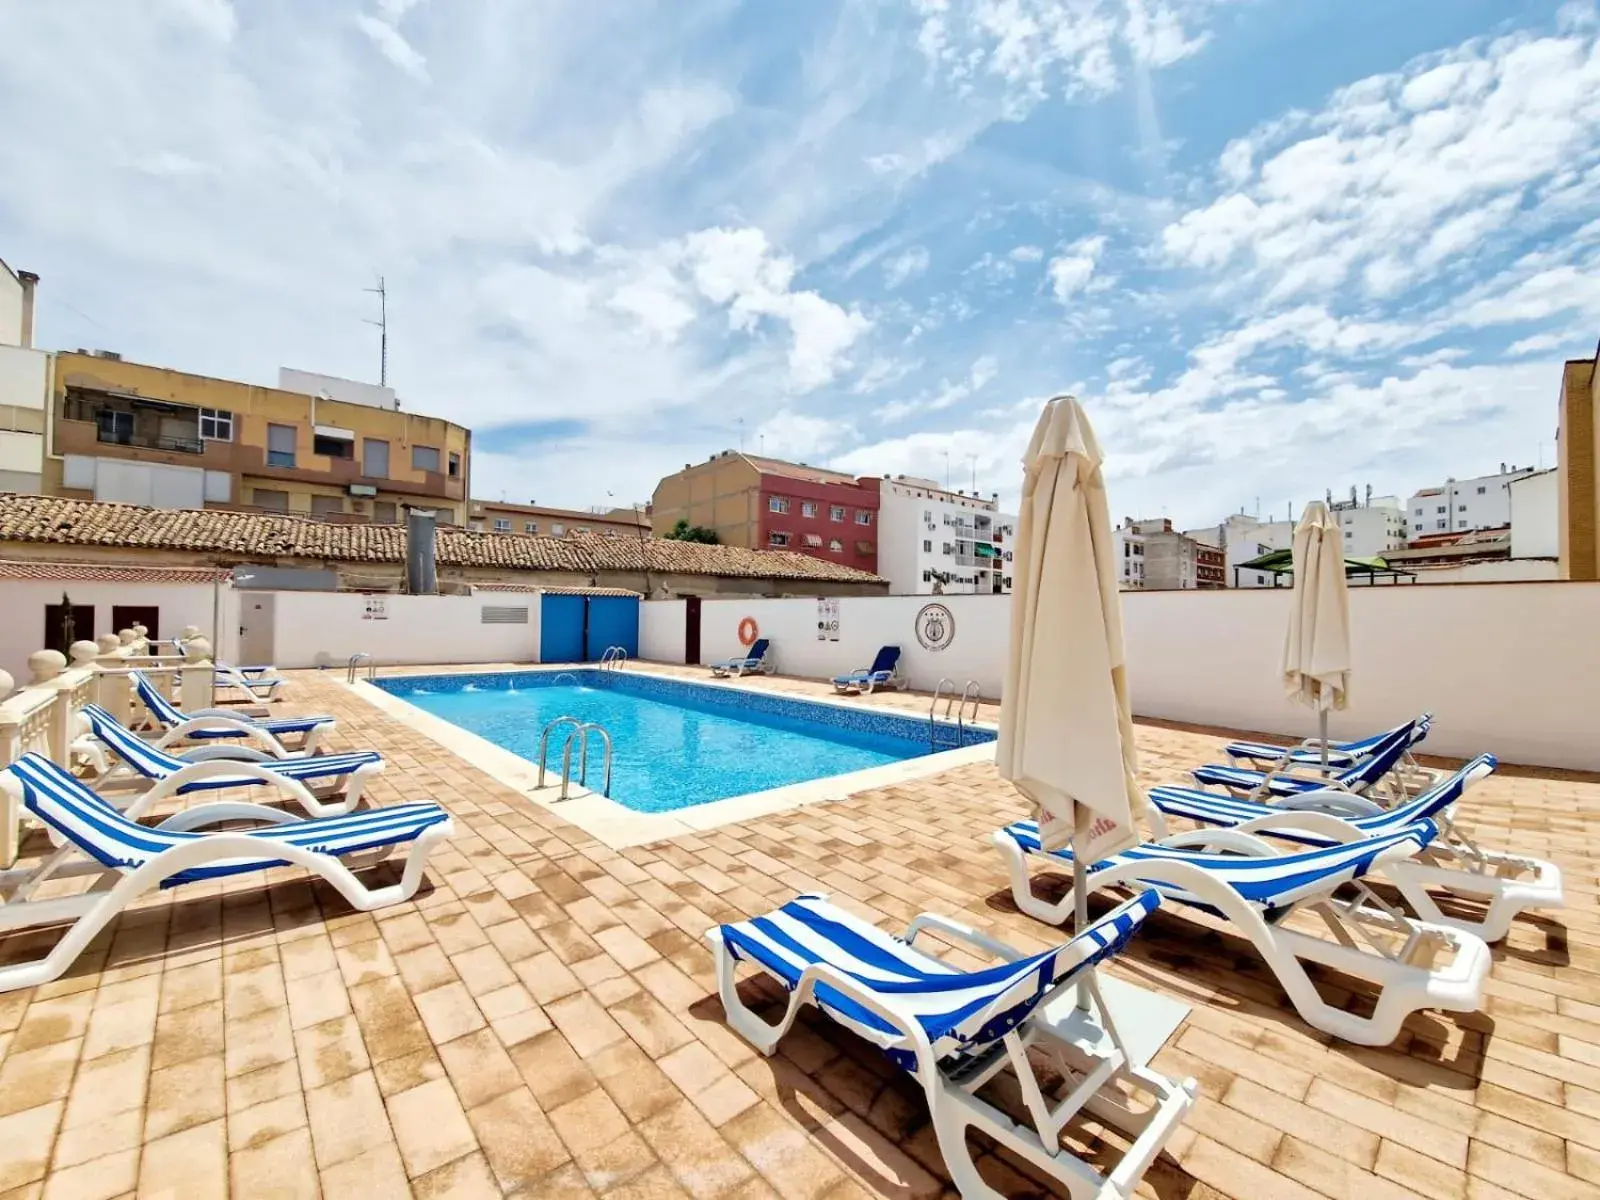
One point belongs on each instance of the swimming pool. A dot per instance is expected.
(677, 744)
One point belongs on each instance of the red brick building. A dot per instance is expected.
(767, 503)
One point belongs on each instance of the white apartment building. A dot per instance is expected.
(1535, 515)
(1460, 505)
(931, 539)
(1129, 549)
(1243, 537)
(1370, 528)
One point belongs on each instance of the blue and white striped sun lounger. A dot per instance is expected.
(256, 685)
(1360, 778)
(1453, 861)
(215, 767)
(954, 1030)
(1310, 753)
(884, 672)
(130, 858)
(1257, 887)
(211, 724)
(757, 660)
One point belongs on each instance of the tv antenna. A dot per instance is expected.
(383, 330)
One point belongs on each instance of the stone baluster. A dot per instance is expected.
(198, 687)
(10, 750)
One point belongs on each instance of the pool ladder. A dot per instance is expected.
(613, 659)
(580, 731)
(971, 692)
(355, 660)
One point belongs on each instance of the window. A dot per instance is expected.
(835, 545)
(864, 547)
(333, 447)
(475, 526)
(424, 458)
(1419, 512)
(383, 512)
(813, 540)
(1481, 491)
(1443, 508)
(558, 530)
(269, 500)
(216, 425)
(863, 517)
(375, 458)
(580, 529)
(530, 527)
(1348, 535)
(927, 546)
(778, 504)
(777, 539)
(280, 445)
(116, 427)
(1461, 508)
(808, 508)
(836, 513)
(455, 465)
(502, 524)
(326, 506)
(927, 515)
(1443, 524)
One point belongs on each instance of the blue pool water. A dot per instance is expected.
(676, 744)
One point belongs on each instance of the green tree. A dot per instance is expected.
(685, 532)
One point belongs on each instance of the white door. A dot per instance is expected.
(256, 611)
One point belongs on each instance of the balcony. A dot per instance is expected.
(149, 441)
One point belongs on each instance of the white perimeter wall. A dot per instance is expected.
(1510, 668)
(22, 605)
(312, 629)
(661, 628)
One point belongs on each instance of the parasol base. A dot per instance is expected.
(1146, 1020)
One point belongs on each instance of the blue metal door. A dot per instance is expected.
(613, 621)
(561, 621)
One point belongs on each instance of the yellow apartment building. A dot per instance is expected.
(1577, 480)
(499, 516)
(136, 434)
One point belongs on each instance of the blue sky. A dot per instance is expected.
(1276, 247)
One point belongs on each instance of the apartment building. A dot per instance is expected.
(1129, 550)
(338, 450)
(931, 539)
(766, 503)
(499, 516)
(1241, 537)
(24, 385)
(1169, 556)
(1460, 505)
(1374, 526)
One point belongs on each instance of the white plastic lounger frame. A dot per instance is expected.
(1370, 776)
(1507, 884)
(1255, 886)
(256, 688)
(953, 1031)
(214, 724)
(343, 777)
(129, 859)
(759, 661)
(884, 672)
(1410, 774)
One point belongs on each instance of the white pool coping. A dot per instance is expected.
(620, 827)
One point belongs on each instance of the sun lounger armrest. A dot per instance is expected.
(1341, 804)
(942, 924)
(1222, 839)
(248, 772)
(223, 725)
(228, 754)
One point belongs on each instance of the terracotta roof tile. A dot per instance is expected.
(253, 536)
(108, 573)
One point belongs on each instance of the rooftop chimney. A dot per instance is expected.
(1502, 468)
(29, 282)
(421, 575)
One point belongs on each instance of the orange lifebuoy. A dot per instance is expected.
(748, 631)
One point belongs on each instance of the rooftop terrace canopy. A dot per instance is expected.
(1280, 564)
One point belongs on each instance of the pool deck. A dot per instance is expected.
(542, 1019)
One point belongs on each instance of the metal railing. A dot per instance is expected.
(953, 703)
(355, 660)
(580, 732)
(614, 659)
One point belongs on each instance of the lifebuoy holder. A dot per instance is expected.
(748, 631)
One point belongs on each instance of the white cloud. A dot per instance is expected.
(1071, 272)
(213, 17)
(1156, 36)
(801, 438)
(948, 394)
(391, 43)
(1025, 254)
(1400, 175)
(905, 265)
(739, 269)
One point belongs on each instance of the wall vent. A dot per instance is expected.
(492, 614)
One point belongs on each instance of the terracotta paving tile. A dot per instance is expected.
(430, 1126)
(542, 1017)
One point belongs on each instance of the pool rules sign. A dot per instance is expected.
(827, 620)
